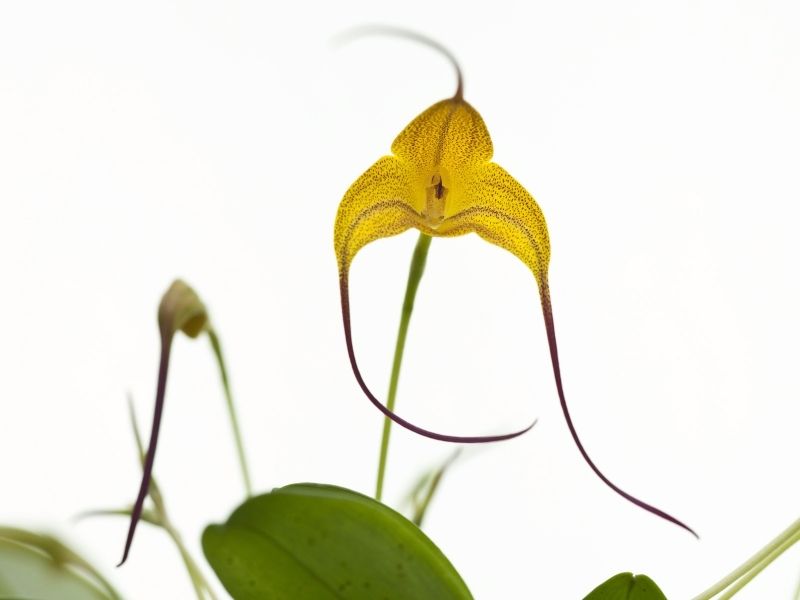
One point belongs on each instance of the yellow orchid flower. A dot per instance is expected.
(440, 180)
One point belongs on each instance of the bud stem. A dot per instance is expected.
(234, 422)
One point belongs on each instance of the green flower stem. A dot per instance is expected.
(797, 593)
(765, 555)
(224, 374)
(760, 567)
(414, 277)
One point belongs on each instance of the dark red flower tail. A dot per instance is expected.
(166, 344)
(547, 312)
(402, 422)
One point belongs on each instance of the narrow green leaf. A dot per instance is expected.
(321, 542)
(627, 586)
(423, 492)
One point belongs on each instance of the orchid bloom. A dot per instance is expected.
(440, 180)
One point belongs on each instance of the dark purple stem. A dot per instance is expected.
(547, 311)
(402, 422)
(166, 344)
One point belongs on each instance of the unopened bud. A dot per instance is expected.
(182, 310)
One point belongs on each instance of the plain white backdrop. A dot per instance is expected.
(145, 141)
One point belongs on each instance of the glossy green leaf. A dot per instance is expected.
(29, 571)
(627, 586)
(320, 542)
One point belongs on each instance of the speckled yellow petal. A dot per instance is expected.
(494, 205)
(435, 158)
(449, 138)
(379, 204)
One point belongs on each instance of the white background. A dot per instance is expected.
(145, 141)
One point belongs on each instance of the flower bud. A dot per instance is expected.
(182, 310)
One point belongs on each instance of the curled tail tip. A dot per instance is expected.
(658, 513)
(453, 439)
(689, 529)
(511, 436)
(129, 541)
(127, 550)
(523, 431)
(683, 526)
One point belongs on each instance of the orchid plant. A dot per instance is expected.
(313, 541)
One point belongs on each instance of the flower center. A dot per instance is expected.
(436, 194)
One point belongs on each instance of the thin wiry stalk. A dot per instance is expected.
(234, 421)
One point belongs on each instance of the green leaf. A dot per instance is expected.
(321, 542)
(627, 586)
(27, 572)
